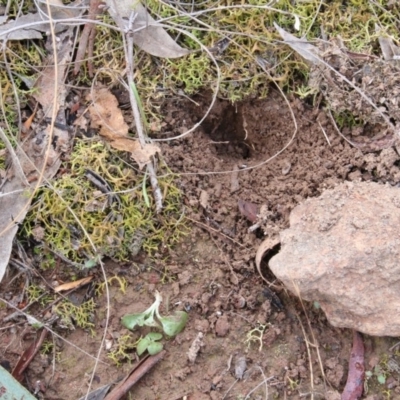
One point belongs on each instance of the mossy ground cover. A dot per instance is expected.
(255, 56)
(80, 222)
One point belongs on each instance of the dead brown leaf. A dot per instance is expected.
(106, 116)
(147, 33)
(73, 285)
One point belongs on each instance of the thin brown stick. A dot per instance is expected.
(129, 46)
(87, 36)
(120, 390)
(27, 356)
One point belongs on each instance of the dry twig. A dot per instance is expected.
(128, 43)
(120, 390)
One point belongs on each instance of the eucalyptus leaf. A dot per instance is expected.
(154, 348)
(174, 324)
(148, 34)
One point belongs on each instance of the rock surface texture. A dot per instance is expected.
(343, 250)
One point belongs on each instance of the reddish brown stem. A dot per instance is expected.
(142, 369)
(27, 357)
(355, 380)
(87, 36)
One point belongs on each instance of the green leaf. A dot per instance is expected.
(174, 324)
(154, 336)
(91, 263)
(130, 321)
(142, 346)
(381, 379)
(144, 318)
(154, 348)
(150, 321)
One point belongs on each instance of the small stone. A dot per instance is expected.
(201, 325)
(239, 301)
(222, 326)
(184, 278)
(240, 367)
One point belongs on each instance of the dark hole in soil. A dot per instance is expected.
(226, 127)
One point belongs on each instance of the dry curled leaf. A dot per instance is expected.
(147, 33)
(195, 347)
(248, 210)
(74, 284)
(300, 46)
(107, 117)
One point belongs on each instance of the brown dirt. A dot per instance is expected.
(212, 275)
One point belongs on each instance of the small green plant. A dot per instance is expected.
(380, 372)
(47, 347)
(150, 343)
(304, 91)
(171, 325)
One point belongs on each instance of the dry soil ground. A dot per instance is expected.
(212, 274)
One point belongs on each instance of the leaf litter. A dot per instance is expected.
(37, 156)
(107, 117)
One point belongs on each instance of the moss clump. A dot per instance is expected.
(120, 281)
(37, 294)
(71, 315)
(122, 349)
(79, 222)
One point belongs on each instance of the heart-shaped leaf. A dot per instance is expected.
(154, 348)
(142, 346)
(174, 324)
(132, 320)
(154, 336)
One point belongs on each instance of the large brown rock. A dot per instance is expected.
(343, 250)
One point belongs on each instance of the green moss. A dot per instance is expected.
(123, 349)
(80, 222)
(71, 315)
(253, 39)
(347, 119)
(37, 294)
(121, 282)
